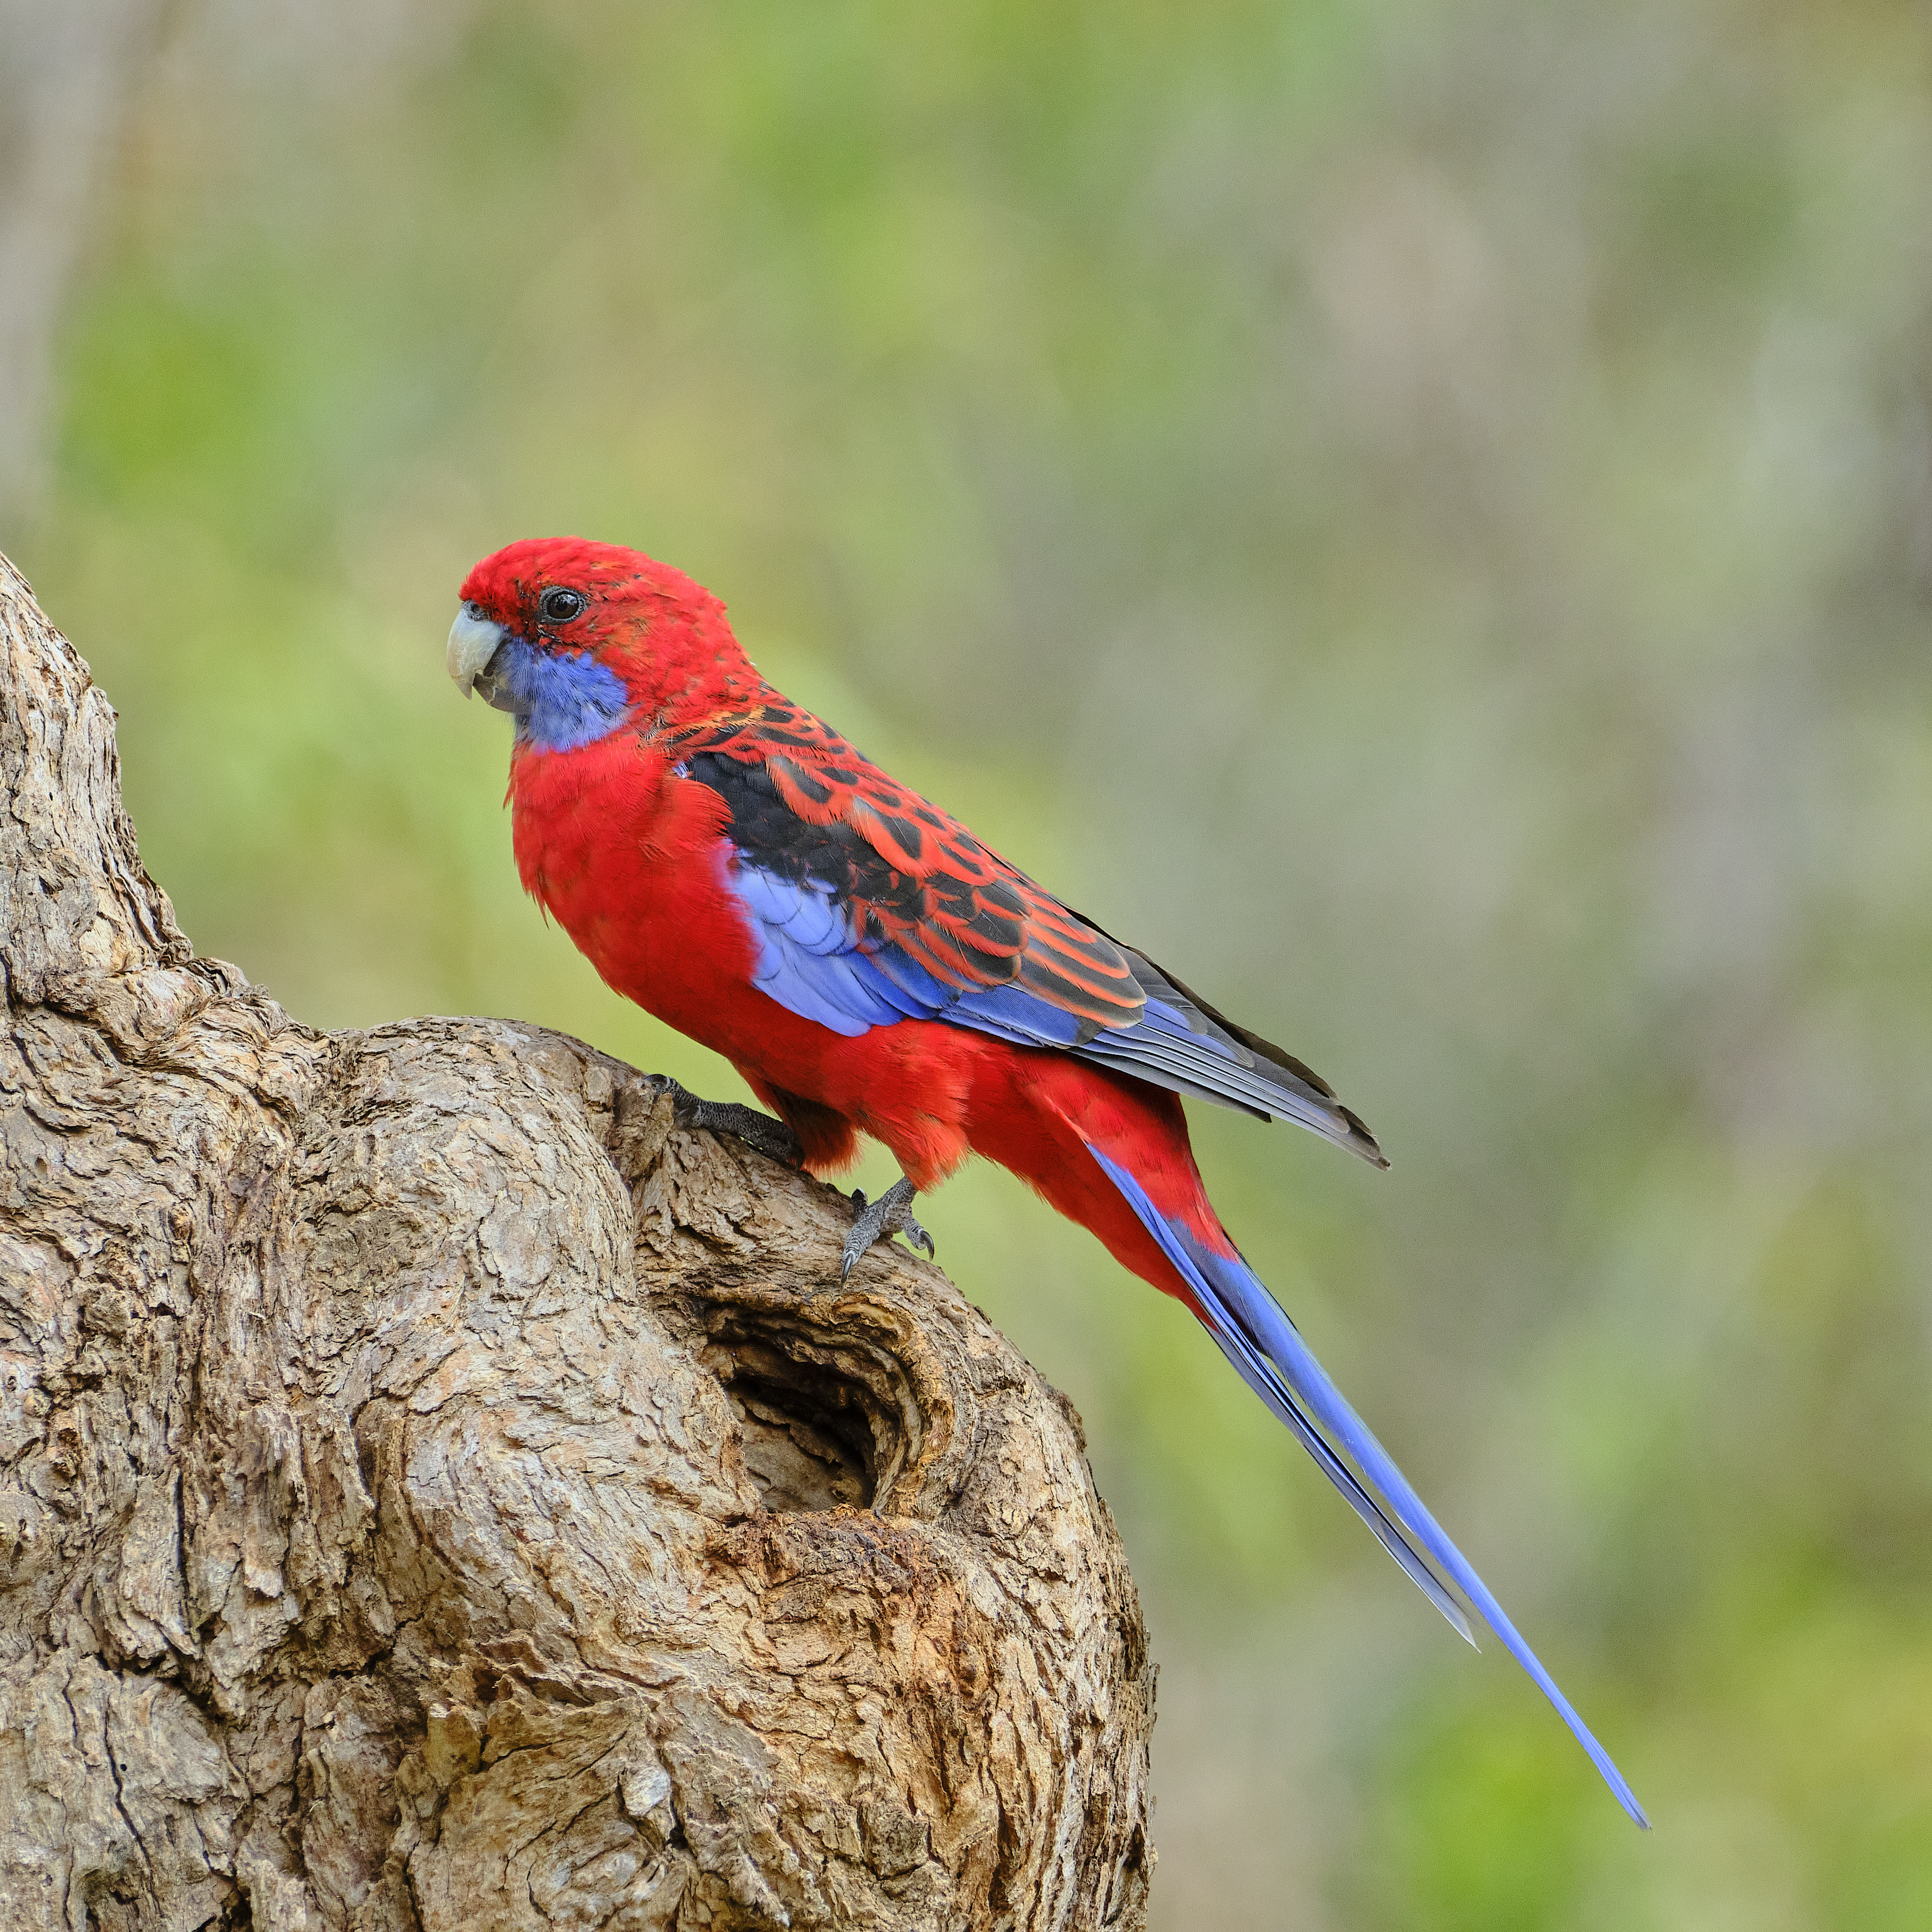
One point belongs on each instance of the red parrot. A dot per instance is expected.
(733, 865)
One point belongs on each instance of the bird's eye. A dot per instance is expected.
(560, 606)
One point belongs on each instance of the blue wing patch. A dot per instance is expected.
(815, 963)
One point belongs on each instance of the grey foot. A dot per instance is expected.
(755, 1130)
(890, 1214)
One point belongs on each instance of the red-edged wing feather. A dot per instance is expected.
(911, 875)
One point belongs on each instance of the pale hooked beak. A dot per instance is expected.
(474, 641)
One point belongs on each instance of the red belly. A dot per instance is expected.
(632, 861)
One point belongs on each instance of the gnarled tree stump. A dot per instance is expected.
(436, 1490)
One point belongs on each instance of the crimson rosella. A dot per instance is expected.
(734, 866)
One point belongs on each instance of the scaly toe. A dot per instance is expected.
(863, 1232)
(770, 1137)
(879, 1220)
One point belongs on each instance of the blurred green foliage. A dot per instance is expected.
(1420, 514)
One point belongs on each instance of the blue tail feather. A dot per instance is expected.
(1268, 1353)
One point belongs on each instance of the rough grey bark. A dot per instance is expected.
(436, 1490)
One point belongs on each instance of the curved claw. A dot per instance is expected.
(890, 1214)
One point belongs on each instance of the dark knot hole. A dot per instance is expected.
(825, 1422)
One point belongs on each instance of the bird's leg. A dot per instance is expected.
(876, 1221)
(769, 1136)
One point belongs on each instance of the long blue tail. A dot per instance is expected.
(1270, 1357)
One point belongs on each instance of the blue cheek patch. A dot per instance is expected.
(561, 702)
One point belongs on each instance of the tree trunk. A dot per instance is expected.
(436, 1490)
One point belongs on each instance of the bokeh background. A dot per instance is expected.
(1417, 512)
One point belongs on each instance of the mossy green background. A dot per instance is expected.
(1420, 515)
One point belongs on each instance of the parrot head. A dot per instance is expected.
(575, 639)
